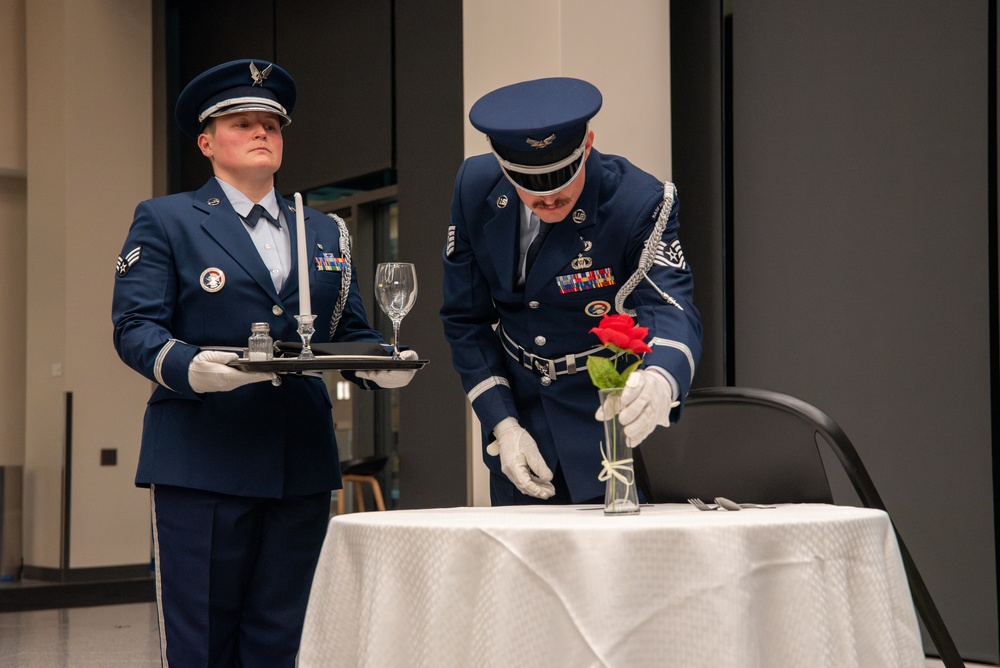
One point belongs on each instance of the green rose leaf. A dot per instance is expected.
(603, 373)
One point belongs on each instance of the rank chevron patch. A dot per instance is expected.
(125, 263)
(670, 256)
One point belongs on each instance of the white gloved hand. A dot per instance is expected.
(520, 459)
(209, 372)
(646, 403)
(391, 378)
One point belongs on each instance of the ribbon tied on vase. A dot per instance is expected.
(615, 469)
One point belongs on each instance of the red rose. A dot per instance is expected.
(621, 331)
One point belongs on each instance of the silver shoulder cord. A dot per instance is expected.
(345, 283)
(649, 255)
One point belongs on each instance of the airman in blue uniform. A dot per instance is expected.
(547, 235)
(239, 469)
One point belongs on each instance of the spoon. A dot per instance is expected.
(727, 504)
(732, 505)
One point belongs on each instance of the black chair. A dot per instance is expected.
(358, 472)
(760, 446)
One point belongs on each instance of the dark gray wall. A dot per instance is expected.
(341, 54)
(429, 150)
(700, 170)
(861, 258)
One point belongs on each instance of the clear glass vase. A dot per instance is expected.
(620, 494)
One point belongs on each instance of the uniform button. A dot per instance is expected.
(274, 272)
(532, 304)
(276, 310)
(539, 340)
(546, 381)
(267, 246)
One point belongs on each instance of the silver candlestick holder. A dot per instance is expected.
(306, 331)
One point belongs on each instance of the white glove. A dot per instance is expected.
(391, 378)
(208, 372)
(646, 403)
(520, 459)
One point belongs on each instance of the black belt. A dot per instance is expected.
(547, 368)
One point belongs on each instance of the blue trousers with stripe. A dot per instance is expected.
(233, 575)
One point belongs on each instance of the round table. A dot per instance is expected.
(553, 586)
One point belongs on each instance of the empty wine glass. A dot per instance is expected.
(395, 292)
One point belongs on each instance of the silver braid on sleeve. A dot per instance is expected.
(649, 254)
(345, 283)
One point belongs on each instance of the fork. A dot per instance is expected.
(701, 505)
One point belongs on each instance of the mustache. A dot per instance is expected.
(541, 204)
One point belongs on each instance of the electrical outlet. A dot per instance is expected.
(56, 369)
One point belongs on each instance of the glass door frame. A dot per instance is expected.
(371, 219)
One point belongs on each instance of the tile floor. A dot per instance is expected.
(111, 636)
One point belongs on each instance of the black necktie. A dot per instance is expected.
(536, 243)
(255, 214)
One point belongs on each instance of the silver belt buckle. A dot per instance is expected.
(570, 364)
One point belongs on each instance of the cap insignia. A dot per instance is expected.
(541, 143)
(259, 77)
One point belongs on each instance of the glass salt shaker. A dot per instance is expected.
(260, 347)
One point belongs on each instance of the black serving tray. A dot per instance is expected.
(346, 356)
(321, 362)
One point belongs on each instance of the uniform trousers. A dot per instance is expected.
(233, 575)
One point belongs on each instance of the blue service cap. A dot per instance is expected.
(239, 85)
(538, 130)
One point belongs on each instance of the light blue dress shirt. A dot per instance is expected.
(273, 244)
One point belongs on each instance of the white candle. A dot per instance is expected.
(305, 307)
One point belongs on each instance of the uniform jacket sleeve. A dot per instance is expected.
(468, 311)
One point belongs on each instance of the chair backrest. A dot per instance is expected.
(740, 443)
(363, 473)
(370, 466)
(754, 445)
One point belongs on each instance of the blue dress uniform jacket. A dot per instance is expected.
(583, 263)
(189, 276)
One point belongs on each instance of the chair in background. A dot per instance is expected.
(361, 472)
(759, 446)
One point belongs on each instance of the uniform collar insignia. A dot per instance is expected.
(541, 143)
(259, 77)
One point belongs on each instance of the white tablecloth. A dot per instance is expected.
(804, 586)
